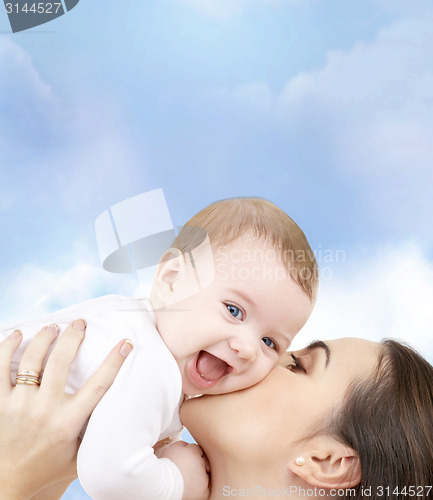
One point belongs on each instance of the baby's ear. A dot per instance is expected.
(327, 463)
(168, 272)
(169, 267)
(172, 281)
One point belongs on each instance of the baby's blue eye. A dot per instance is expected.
(235, 311)
(270, 343)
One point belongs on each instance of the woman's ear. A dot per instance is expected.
(327, 463)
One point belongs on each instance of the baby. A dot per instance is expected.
(228, 298)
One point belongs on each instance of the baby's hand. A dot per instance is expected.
(191, 461)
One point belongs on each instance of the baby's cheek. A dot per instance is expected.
(262, 371)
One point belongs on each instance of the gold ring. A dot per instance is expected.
(30, 373)
(28, 377)
(27, 381)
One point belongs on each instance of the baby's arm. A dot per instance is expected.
(192, 463)
(116, 459)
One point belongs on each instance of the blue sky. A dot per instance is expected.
(323, 107)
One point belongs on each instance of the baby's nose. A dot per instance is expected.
(244, 348)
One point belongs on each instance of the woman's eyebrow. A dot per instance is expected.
(319, 343)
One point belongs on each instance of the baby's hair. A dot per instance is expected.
(227, 220)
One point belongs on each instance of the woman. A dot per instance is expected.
(347, 413)
(40, 425)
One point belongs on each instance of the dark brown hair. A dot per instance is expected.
(388, 420)
(227, 220)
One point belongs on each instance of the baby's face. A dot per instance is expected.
(231, 334)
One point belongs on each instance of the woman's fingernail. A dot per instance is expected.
(16, 334)
(79, 324)
(126, 348)
(52, 328)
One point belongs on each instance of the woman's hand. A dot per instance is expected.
(40, 425)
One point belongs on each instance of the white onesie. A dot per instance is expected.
(116, 459)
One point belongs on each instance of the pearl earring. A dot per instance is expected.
(300, 461)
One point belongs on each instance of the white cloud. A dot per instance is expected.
(377, 98)
(34, 292)
(99, 155)
(66, 154)
(368, 111)
(28, 104)
(74, 148)
(374, 105)
(388, 295)
(17, 67)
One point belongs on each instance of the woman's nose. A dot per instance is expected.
(244, 348)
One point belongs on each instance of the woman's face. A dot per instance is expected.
(283, 408)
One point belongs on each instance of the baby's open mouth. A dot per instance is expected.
(209, 367)
(206, 370)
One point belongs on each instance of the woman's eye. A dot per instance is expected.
(297, 366)
(235, 311)
(270, 343)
